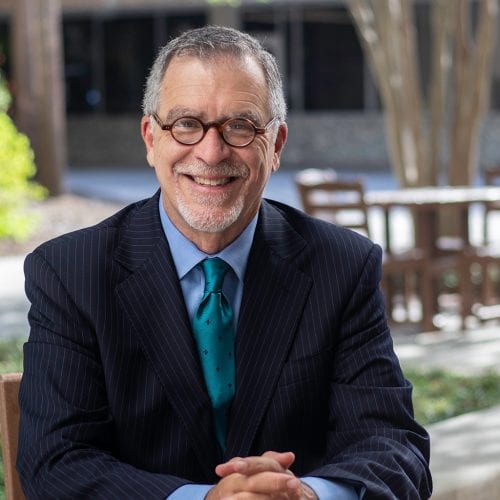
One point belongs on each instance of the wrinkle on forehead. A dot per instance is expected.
(248, 95)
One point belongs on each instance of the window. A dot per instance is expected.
(128, 53)
(178, 23)
(107, 60)
(81, 94)
(319, 54)
(333, 61)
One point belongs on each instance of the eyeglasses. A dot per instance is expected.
(237, 132)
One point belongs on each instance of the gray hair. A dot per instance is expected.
(211, 42)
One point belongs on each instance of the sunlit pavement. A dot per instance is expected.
(13, 303)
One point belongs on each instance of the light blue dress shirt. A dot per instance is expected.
(186, 256)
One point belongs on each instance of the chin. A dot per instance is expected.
(207, 221)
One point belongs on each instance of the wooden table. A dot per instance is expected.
(425, 204)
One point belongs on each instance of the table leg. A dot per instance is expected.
(387, 228)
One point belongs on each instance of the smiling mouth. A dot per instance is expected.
(204, 181)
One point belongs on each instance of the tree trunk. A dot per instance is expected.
(387, 34)
(440, 68)
(472, 76)
(39, 92)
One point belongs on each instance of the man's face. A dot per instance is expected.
(212, 190)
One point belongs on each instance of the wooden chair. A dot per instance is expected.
(491, 178)
(325, 196)
(342, 202)
(9, 427)
(407, 274)
(481, 276)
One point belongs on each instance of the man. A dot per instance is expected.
(119, 399)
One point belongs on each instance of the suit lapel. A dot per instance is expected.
(274, 296)
(152, 298)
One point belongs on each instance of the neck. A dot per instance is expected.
(211, 243)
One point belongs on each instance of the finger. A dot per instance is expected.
(270, 460)
(272, 483)
(248, 496)
(231, 467)
(250, 466)
(285, 459)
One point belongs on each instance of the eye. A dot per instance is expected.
(187, 123)
(239, 126)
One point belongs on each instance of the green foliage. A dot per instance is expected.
(4, 95)
(11, 355)
(2, 482)
(439, 394)
(16, 189)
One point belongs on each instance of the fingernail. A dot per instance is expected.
(293, 483)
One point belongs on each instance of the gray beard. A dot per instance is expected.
(210, 220)
(207, 221)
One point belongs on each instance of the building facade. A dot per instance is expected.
(335, 117)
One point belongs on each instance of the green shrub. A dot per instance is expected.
(16, 189)
(11, 355)
(4, 94)
(439, 394)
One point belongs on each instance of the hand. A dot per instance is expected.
(266, 476)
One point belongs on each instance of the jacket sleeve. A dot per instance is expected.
(373, 440)
(66, 426)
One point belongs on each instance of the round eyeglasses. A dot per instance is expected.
(237, 132)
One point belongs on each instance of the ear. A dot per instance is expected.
(147, 137)
(279, 144)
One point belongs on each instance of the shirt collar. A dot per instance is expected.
(187, 255)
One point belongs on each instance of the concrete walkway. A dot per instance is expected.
(13, 303)
(465, 456)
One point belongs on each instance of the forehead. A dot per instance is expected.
(224, 84)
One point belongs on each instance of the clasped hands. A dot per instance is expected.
(262, 477)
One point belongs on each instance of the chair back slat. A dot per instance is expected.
(335, 200)
(491, 178)
(9, 428)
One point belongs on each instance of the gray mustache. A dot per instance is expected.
(203, 170)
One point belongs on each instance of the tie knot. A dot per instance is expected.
(214, 269)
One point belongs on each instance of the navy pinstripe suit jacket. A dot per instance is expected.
(113, 402)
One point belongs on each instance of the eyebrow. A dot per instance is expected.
(179, 111)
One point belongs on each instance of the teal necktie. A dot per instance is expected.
(213, 331)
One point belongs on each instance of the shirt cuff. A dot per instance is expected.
(324, 489)
(190, 492)
(329, 490)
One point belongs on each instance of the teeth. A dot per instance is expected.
(211, 182)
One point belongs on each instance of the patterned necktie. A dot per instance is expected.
(213, 331)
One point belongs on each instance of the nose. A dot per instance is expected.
(212, 149)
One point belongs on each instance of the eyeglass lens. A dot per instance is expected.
(236, 132)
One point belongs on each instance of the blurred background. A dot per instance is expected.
(90, 58)
(394, 126)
